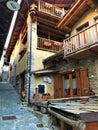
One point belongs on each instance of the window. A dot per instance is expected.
(66, 85)
(82, 37)
(41, 88)
(96, 19)
(82, 27)
(71, 83)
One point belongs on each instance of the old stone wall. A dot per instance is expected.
(90, 63)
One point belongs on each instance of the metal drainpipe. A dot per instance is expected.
(30, 62)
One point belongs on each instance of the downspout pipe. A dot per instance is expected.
(30, 58)
(79, 124)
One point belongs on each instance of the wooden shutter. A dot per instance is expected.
(84, 80)
(78, 82)
(58, 86)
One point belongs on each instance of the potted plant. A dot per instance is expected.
(46, 96)
(89, 91)
(36, 96)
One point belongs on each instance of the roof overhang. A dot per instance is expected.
(54, 58)
(75, 12)
(44, 71)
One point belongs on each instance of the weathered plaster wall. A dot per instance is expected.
(37, 58)
(49, 86)
(22, 65)
(15, 54)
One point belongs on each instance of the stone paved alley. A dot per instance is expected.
(13, 115)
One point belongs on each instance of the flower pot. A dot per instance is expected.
(48, 44)
(46, 97)
(36, 97)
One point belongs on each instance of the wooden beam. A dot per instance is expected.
(74, 13)
(52, 34)
(68, 29)
(70, 58)
(81, 125)
(91, 3)
(69, 13)
(93, 52)
(51, 29)
(49, 22)
(63, 5)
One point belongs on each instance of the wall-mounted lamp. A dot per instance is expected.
(67, 35)
(73, 70)
(91, 76)
(13, 5)
(96, 9)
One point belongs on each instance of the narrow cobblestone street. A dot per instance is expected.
(13, 115)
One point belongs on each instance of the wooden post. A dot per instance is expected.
(63, 125)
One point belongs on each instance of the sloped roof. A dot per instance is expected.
(44, 71)
(55, 57)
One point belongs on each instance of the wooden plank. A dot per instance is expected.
(80, 124)
(71, 85)
(92, 126)
(74, 111)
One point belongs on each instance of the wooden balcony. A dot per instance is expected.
(49, 45)
(48, 9)
(22, 64)
(84, 43)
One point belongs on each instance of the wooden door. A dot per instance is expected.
(58, 86)
(22, 76)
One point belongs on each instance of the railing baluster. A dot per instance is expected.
(50, 9)
(97, 30)
(82, 39)
(49, 45)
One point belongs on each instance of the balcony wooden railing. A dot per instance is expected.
(49, 9)
(22, 64)
(49, 45)
(81, 40)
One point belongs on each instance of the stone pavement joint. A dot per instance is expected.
(13, 115)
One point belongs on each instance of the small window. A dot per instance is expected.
(41, 89)
(82, 27)
(67, 84)
(96, 19)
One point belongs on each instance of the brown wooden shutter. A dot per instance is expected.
(78, 82)
(84, 80)
(58, 86)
